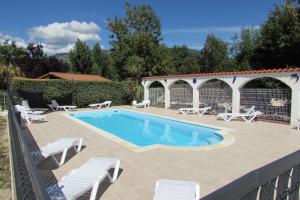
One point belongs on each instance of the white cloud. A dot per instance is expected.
(19, 41)
(60, 37)
(213, 29)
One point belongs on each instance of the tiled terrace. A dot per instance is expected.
(256, 144)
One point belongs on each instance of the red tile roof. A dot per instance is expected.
(69, 76)
(262, 71)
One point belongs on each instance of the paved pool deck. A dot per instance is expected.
(255, 145)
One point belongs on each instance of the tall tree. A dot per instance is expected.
(214, 54)
(11, 55)
(101, 62)
(136, 38)
(183, 61)
(242, 48)
(81, 57)
(279, 40)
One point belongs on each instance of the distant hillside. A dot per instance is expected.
(62, 56)
(195, 51)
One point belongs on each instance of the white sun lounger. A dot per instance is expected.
(54, 106)
(199, 111)
(248, 116)
(176, 190)
(87, 176)
(36, 110)
(144, 103)
(59, 146)
(29, 116)
(99, 105)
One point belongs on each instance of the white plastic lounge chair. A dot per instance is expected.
(176, 190)
(29, 116)
(54, 106)
(199, 111)
(59, 146)
(248, 116)
(27, 108)
(87, 176)
(144, 104)
(99, 105)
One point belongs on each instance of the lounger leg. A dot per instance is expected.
(197, 189)
(56, 161)
(63, 157)
(94, 190)
(116, 172)
(79, 145)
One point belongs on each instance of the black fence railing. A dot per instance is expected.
(27, 182)
(278, 180)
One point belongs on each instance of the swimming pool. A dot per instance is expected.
(144, 130)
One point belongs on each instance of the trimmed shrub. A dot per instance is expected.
(84, 92)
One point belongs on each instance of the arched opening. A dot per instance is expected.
(157, 94)
(217, 94)
(181, 94)
(270, 96)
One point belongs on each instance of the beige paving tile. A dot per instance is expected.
(256, 144)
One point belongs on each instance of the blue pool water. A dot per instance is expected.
(143, 130)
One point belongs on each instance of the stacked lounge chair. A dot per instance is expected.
(29, 116)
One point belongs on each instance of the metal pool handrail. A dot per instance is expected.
(26, 180)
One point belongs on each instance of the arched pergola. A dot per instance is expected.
(181, 94)
(274, 102)
(236, 80)
(157, 94)
(217, 94)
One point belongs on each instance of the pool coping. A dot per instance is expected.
(228, 138)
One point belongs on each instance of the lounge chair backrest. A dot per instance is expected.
(54, 103)
(25, 104)
(250, 110)
(107, 102)
(147, 102)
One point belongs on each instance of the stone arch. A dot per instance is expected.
(217, 93)
(172, 82)
(284, 80)
(274, 102)
(148, 83)
(181, 93)
(225, 80)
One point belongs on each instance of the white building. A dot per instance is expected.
(236, 81)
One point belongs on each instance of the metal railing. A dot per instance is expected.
(278, 180)
(27, 182)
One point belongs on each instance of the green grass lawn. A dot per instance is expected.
(4, 156)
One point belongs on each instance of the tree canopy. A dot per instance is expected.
(137, 49)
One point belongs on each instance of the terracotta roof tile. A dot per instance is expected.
(70, 76)
(227, 73)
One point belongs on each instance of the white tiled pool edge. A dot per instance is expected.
(228, 138)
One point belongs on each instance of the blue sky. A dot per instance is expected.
(56, 24)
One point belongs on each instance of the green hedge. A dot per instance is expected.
(84, 92)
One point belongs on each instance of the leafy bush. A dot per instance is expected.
(84, 92)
